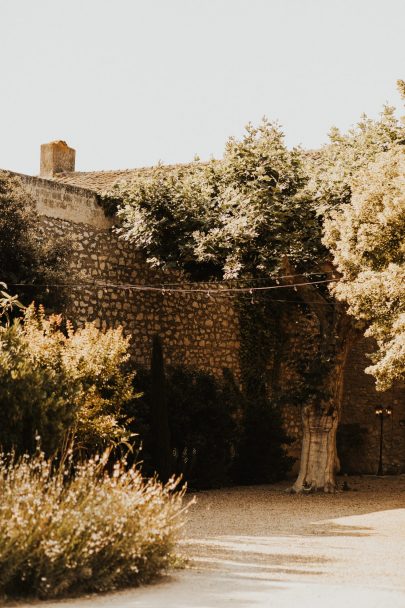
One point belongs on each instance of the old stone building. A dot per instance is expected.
(112, 284)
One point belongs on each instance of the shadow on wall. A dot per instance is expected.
(350, 447)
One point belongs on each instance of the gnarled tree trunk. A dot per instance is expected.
(319, 459)
(320, 417)
(318, 456)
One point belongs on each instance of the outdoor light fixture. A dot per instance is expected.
(382, 412)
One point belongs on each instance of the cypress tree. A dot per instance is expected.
(159, 413)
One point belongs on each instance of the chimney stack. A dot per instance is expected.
(56, 157)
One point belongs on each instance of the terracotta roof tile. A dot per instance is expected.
(102, 181)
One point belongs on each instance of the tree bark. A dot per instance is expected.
(318, 456)
(320, 419)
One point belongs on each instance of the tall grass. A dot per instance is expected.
(90, 531)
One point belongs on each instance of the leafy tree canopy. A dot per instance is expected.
(358, 181)
(237, 216)
(260, 209)
(331, 169)
(367, 238)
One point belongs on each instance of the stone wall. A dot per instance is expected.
(360, 428)
(66, 202)
(200, 329)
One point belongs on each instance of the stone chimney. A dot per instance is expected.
(56, 157)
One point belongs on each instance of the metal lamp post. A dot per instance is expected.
(382, 412)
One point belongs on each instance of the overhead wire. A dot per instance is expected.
(255, 280)
(209, 288)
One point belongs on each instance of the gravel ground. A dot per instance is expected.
(258, 546)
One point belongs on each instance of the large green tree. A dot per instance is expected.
(249, 215)
(332, 185)
(259, 212)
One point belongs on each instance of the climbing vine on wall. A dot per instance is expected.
(261, 455)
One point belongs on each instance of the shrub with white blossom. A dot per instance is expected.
(64, 532)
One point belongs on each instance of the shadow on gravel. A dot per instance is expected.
(269, 558)
(278, 558)
(338, 530)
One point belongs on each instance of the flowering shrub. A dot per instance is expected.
(90, 531)
(57, 381)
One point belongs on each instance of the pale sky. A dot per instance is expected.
(130, 82)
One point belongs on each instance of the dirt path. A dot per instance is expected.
(258, 546)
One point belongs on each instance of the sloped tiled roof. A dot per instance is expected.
(102, 181)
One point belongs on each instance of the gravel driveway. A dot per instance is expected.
(258, 546)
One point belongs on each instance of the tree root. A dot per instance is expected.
(306, 488)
